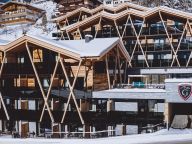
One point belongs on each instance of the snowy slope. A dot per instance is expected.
(15, 31)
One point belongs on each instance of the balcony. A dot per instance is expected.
(136, 90)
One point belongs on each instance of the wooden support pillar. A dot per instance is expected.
(123, 129)
(119, 65)
(1, 97)
(107, 70)
(110, 105)
(86, 131)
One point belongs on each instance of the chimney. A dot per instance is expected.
(88, 38)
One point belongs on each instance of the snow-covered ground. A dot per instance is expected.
(163, 136)
(13, 32)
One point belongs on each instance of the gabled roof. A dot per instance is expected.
(169, 12)
(76, 49)
(103, 8)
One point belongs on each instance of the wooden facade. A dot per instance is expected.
(66, 6)
(144, 31)
(45, 78)
(19, 13)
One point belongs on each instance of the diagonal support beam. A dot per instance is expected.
(185, 28)
(190, 56)
(138, 41)
(71, 87)
(39, 82)
(125, 26)
(97, 29)
(49, 89)
(1, 97)
(171, 44)
(107, 70)
(115, 22)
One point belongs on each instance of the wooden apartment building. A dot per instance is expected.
(19, 13)
(70, 5)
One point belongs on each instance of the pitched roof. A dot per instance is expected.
(73, 48)
(101, 8)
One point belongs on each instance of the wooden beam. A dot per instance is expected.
(1, 97)
(185, 28)
(169, 38)
(138, 41)
(107, 70)
(97, 27)
(117, 28)
(39, 82)
(71, 87)
(119, 65)
(50, 86)
(125, 25)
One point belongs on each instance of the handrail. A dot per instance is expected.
(146, 86)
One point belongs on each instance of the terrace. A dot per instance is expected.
(134, 90)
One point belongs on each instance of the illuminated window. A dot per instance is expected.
(37, 55)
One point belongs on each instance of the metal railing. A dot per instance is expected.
(146, 86)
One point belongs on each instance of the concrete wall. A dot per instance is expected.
(172, 92)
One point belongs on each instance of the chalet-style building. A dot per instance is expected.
(65, 6)
(19, 13)
(44, 81)
(108, 70)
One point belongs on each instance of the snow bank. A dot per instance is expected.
(162, 136)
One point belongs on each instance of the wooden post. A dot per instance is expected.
(125, 25)
(107, 70)
(97, 27)
(1, 97)
(119, 69)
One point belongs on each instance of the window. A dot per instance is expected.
(37, 55)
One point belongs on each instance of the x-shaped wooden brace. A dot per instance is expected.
(138, 41)
(171, 44)
(39, 83)
(97, 29)
(185, 29)
(71, 87)
(1, 97)
(50, 86)
(190, 30)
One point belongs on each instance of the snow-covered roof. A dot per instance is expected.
(179, 80)
(75, 48)
(94, 48)
(136, 90)
(4, 42)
